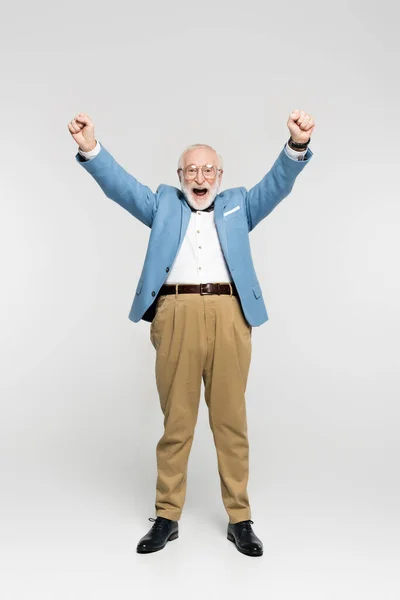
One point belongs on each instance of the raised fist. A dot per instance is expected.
(301, 125)
(82, 130)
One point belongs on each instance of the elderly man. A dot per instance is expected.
(200, 292)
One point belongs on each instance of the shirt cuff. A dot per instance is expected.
(91, 153)
(295, 154)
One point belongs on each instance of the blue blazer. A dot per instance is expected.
(167, 213)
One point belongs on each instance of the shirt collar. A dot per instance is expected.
(208, 209)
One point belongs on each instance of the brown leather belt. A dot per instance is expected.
(202, 288)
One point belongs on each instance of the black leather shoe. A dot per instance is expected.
(244, 538)
(163, 531)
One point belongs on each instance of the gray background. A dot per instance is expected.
(80, 413)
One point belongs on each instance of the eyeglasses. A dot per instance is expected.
(209, 171)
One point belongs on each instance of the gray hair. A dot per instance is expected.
(220, 159)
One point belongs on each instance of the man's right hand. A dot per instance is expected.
(82, 130)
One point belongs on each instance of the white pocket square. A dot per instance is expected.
(232, 210)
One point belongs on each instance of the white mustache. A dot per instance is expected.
(196, 201)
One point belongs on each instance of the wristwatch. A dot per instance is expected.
(297, 145)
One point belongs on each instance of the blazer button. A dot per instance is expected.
(153, 293)
(167, 269)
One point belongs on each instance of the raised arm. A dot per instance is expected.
(114, 180)
(261, 199)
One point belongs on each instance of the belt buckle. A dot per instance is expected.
(201, 290)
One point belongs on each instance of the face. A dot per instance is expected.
(200, 192)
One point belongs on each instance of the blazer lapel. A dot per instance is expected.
(185, 218)
(219, 203)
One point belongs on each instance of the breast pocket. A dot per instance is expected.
(232, 213)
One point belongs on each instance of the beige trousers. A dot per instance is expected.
(199, 337)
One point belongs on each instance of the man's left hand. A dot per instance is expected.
(301, 125)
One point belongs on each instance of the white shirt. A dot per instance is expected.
(200, 258)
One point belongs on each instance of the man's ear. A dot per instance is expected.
(179, 174)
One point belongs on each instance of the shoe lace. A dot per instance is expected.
(246, 524)
(159, 523)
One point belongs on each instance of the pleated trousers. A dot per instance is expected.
(202, 338)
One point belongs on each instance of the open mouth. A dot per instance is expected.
(200, 191)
